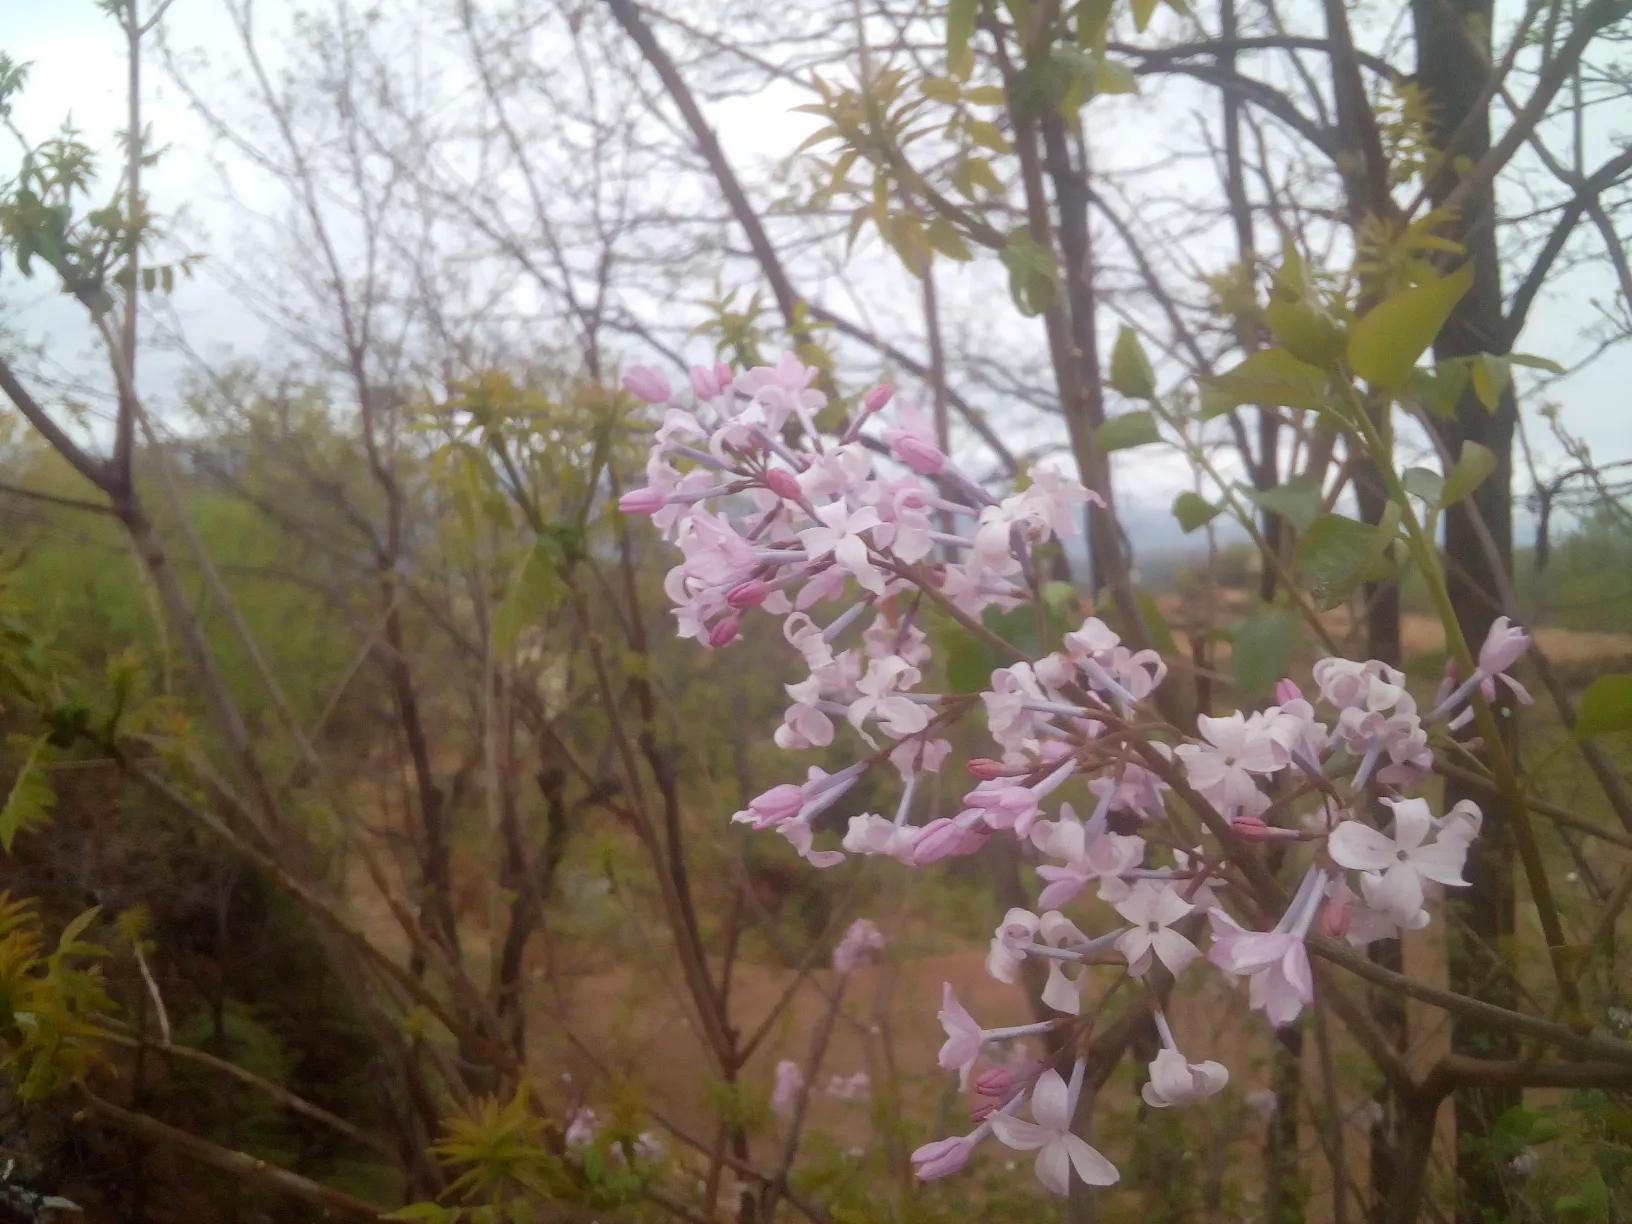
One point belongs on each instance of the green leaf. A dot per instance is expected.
(1591, 1202)
(536, 589)
(1032, 273)
(1193, 510)
(1298, 501)
(1530, 361)
(30, 800)
(1337, 553)
(944, 237)
(1306, 331)
(960, 26)
(1271, 377)
(1130, 368)
(1384, 344)
(1262, 651)
(1475, 464)
(1606, 706)
(1129, 429)
(1424, 483)
(1143, 11)
(1490, 378)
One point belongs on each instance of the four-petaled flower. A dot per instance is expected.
(1058, 1150)
(840, 536)
(1397, 865)
(1175, 1081)
(1153, 910)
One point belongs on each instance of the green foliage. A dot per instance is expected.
(1127, 430)
(1130, 368)
(1033, 275)
(1473, 468)
(1337, 553)
(1271, 377)
(1606, 707)
(1298, 501)
(50, 994)
(1193, 511)
(1386, 341)
(1262, 651)
(30, 800)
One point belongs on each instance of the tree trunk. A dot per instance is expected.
(1453, 64)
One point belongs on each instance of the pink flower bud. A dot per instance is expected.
(985, 768)
(642, 501)
(917, 454)
(941, 1158)
(784, 484)
(723, 375)
(704, 382)
(725, 631)
(1334, 919)
(1250, 828)
(1287, 690)
(780, 803)
(645, 383)
(748, 594)
(878, 397)
(944, 839)
(996, 1082)
(982, 1110)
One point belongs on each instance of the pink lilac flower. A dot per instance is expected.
(1089, 856)
(840, 537)
(963, 1036)
(1237, 748)
(855, 1087)
(1153, 909)
(790, 1085)
(1176, 1081)
(861, 944)
(1397, 865)
(1059, 1152)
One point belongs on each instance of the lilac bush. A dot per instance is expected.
(775, 517)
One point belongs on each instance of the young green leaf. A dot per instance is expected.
(1263, 649)
(1606, 706)
(1298, 501)
(1473, 467)
(1193, 511)
(1385, 343)
(1129, 429)
(1270, 376)
(1130, 368)
(1336, 554)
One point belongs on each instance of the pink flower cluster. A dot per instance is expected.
(848, 555)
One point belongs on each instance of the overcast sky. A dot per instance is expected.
(78, 71)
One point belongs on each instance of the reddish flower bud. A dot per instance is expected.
(985, 768)
(748, 594)
(642, 501)
(723, 375)
(1250, 828)
(878, 397)
(725, 631)
(1287, 690)
(917, 454)
(995, 1082)
(784, 484)
(1334, 919)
